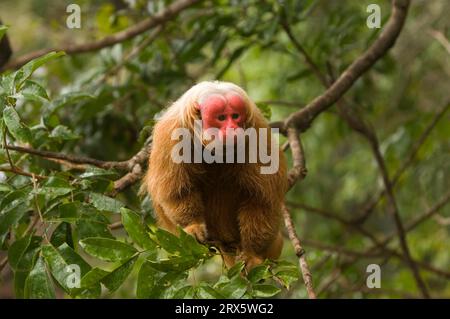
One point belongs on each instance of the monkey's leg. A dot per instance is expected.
(260, 234)
(187, 212)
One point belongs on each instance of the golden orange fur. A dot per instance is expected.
(233, 205)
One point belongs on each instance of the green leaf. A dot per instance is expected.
(12, 200)
(153, 283)
(67, 212)
(97, 172)
(192, 246)
(258, 273)
(287, 272)
(13, 207)
(105, 203)
(54, 187)
(177, 263)
(265, 291)
(33, 91)
(107, 249)
(38, 285)
(63, 133)
(20, 278)
(235, 288)
(62, 262)
(147, 282)
(93, 277)
(265, 109)
(113, 280)
(17, 250)
(27, 70)
(93, 292)
(71, 257)
(287, 277)
(94, 225)
(61, 101)
(7, 87)
(5, 188)
(22, 253)
(59, 261)
(168, 241)
(186, 292)
(236, 269)
(62, 234)
(136, 229)
(18, 130)
(207, 292)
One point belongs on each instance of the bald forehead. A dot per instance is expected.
(221, 100)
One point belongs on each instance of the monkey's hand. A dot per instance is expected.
(198, 230)
(250, 259)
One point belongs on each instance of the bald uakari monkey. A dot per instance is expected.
(234, 204)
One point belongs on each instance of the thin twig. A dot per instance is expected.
(300, 252)
(18, 171)
(440, 37)
(393, 211)
(421, 218)
(3, 263)
(115, 225)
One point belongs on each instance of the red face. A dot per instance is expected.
(223, 112)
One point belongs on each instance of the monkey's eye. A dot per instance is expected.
(221, 117)
(235, 116)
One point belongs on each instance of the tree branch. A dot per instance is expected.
(410, 159)
(298, 171)
(337, 89)
(121, 165)
(300, 252)
(421, 218)
(158, 19)
(303, 118)
(393, 211)
(134, 165)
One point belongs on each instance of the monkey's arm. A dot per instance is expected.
(172, 185)
(178, 201)
(186, 211)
